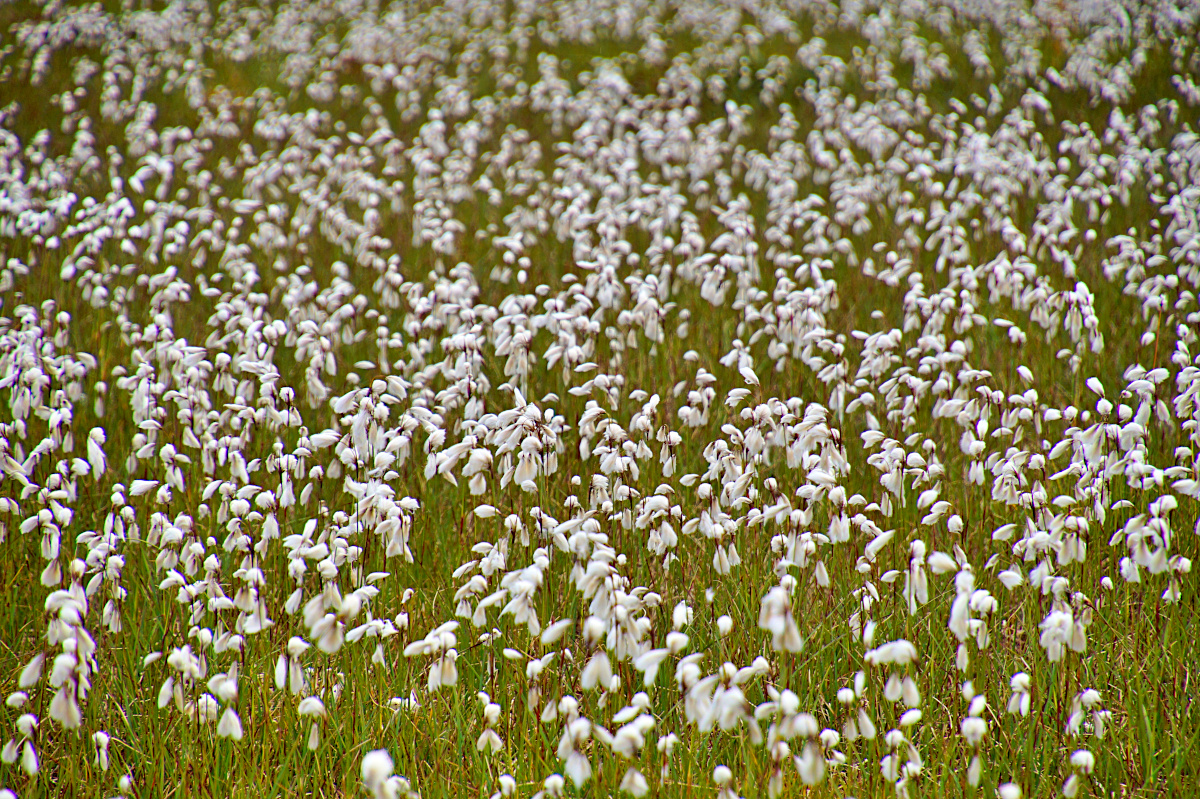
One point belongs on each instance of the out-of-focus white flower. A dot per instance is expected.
(775, 616)
(100, 741)
(375, 769)
(898, 653)
(230, 725)
(973, 729)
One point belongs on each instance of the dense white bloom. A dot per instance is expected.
(749, 314)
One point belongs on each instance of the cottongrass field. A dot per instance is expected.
(594, 398)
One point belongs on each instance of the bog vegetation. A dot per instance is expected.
(653, 397)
